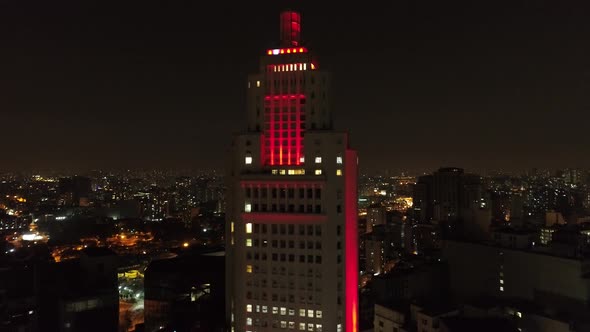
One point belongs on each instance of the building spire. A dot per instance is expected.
(290, 28)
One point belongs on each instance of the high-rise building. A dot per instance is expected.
(291, 230)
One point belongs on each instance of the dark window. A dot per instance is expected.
(318, 230)
(318, 209)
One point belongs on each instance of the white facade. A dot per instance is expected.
(291, 205)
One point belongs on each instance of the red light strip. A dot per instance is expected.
(278, 51)
(287, 183)
(290, 218)
(351, 240)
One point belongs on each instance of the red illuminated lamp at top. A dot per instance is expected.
(279, 51)
(290, 28)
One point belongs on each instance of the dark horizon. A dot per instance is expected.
(419, 86)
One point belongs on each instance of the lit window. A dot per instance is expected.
(275, 171)
(257, 308)
(310, 313)
(248, 242)
(291, 325)
(275, 310)
(249, 228)
(248, 84)
(264, 309)
(248, 268)
(283, 172)
(248, 321)
(519, 314)
(301, 159)
(310, 327)
(339, 172)
(291, 312)
(248, 207)
(339, 160)
(501, 282)
(318, 327)
(318, 160)
(501, 289)
(318, 314)
(318, 172)
(302, 312)
(248, 308)
(257, 84)
(283, 311)
(232, 226)
(248, 160)
(301, 326)
(283, 324)
(305, 66)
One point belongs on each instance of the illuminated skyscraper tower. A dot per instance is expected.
(291, 231)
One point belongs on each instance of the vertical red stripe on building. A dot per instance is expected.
(351, 239)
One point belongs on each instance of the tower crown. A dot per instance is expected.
(290, 28)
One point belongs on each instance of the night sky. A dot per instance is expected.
(419, 84)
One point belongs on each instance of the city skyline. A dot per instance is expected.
(435, 85)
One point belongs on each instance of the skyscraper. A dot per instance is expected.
(291, 230)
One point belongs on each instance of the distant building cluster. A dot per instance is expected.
(476, 253)
(75, 250)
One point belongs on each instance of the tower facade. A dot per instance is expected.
(291, 229)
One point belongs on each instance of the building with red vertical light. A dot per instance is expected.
(291, 231)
